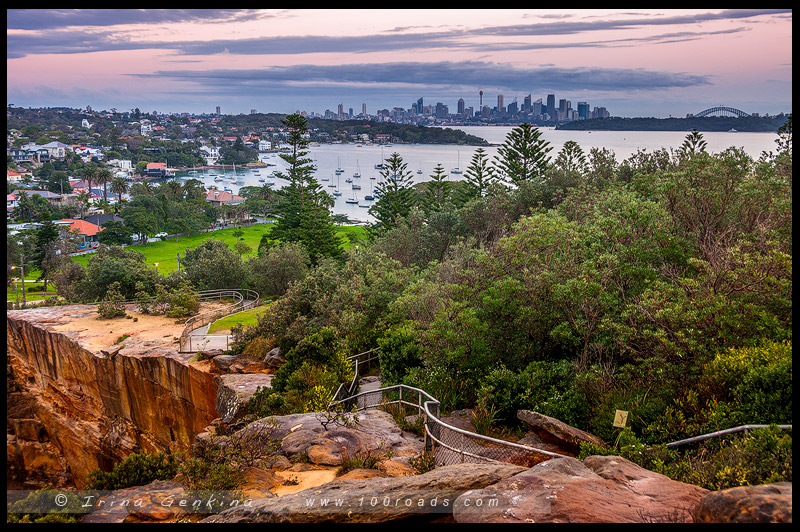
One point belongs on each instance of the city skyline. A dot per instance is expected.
(645, 63)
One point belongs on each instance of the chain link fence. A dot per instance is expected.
(448, 444)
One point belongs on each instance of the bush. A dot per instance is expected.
(112, 305)
(137, 469)
(399, 352)
(39, 507)
(764, 456)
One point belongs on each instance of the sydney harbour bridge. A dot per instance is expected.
(722, 111)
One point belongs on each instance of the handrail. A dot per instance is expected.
(741, 428)
(430, 405)
(199, 320)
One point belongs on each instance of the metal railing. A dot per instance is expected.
(244, 300)
(359, 360)
(741, 428)
(448, 444)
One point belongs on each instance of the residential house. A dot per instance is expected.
(86, 230)
(11, 203)
(157, 170)
(13, 177)
(223, 197)
(51, 197)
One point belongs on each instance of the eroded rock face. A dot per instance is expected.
(601, 489)
(373, 500)
(96, 408)
(235, 390)
(767, 503)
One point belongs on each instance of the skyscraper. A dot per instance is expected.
(526, 104)
(551, 104)
(500, 107)
(364, 109)
(461, 106)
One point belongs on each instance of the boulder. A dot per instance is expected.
(235, 390)
(601, 489)
(558, 433)
(224, 362)
(273, 360)
(373, 500)
(461, 419)
(304, 434)
(767, 503)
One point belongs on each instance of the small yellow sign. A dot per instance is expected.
(620, 419)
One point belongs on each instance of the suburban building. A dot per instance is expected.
(86, 230)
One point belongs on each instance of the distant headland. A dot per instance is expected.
(765, 124)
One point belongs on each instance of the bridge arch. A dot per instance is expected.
(722, 111)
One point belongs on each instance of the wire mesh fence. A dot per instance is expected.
(448, 444)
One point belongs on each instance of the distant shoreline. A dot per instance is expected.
(708, 124)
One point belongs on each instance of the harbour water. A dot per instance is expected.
(354, 158)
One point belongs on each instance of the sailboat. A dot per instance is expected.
(339, 170)
(379, 166)
(457, 169)
(337, 192)
(357, 173)
(352, 199)
(369, 197)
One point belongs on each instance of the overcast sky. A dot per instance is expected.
(634, 62)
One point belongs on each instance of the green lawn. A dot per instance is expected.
(248, 317)
(165, 253)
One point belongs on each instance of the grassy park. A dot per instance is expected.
(248, 317)
(165, 253)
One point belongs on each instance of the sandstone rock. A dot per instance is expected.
(30, 429)
(148, 503)
(98, 409)
(553, 431)
(224, 362)
(461, 419)
(280, 463)
(408, 496)
(531, 439)
(767, 503)
(362, 473)
(601, 489)
(273, 360)
(374, 428)
(396, 468)
(235, 390)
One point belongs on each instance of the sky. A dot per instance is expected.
(634, 62)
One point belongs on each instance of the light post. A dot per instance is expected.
(22, 275)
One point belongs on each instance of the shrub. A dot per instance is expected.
(112, 305)
(39, 507)
(137, 469)
(399, 352)
(423, 463)
(763, 456)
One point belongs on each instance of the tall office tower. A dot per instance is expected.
(218, 110)
(441, 110)
(512, 108)
(341, 111)
(583, 110)
(551, 104)
(536, 108)
(526, 104)
(364, 109)
(461, 106)
(562, 105)
(500, 107)
(253, 111)
(469, 112)
(420, 107)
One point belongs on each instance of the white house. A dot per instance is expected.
(264, 145)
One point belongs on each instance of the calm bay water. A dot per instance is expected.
(362, 159)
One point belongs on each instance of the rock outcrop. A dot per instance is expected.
(97, 400)
(373, 500)
(552, 431)
(375, 431)
(767, 503)
(601, 489)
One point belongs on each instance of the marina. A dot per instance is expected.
(421, 159)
